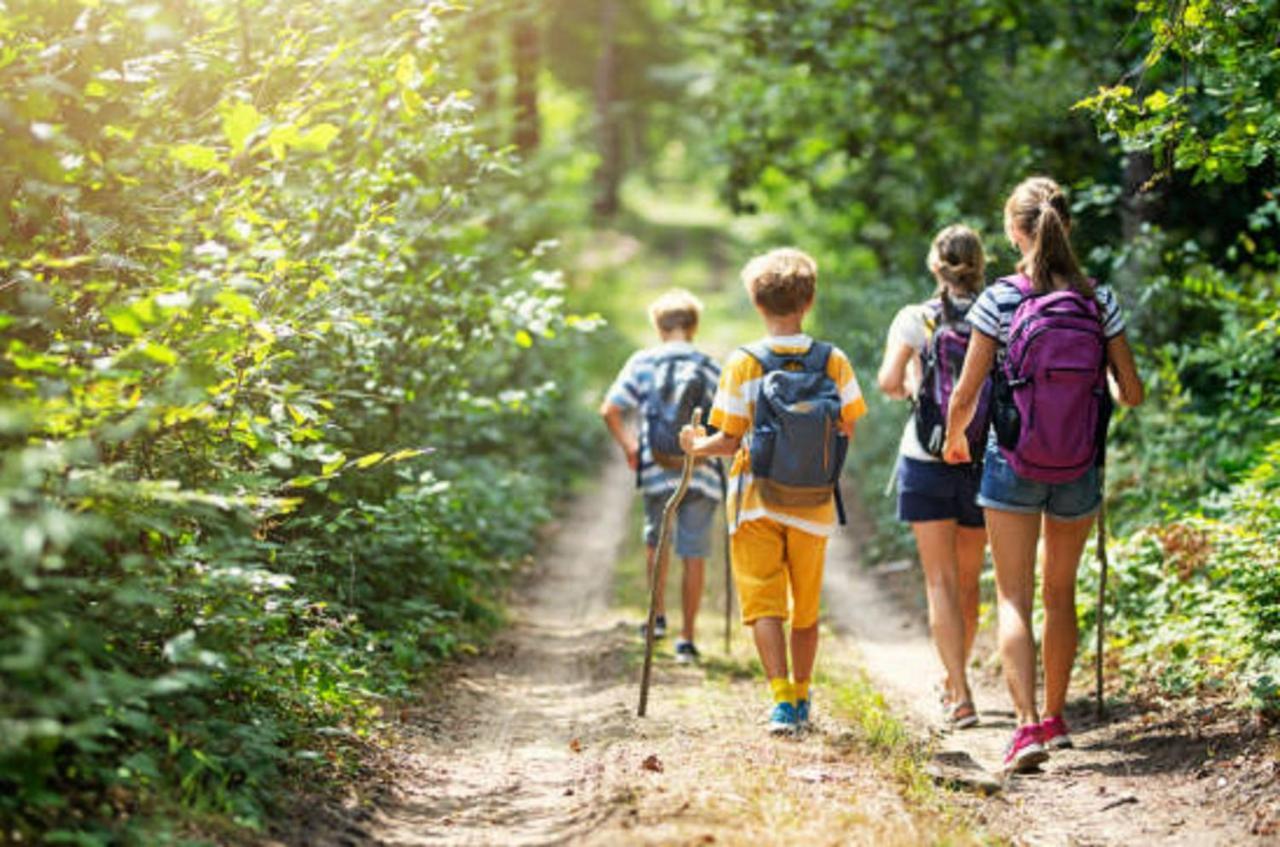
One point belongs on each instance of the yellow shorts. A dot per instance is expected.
(770, 562)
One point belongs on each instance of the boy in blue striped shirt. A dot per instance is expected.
(653, 377)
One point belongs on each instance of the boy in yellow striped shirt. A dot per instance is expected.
(778, 545)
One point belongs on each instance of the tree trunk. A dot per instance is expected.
(527, 46)
(608, 176)
(486, 65)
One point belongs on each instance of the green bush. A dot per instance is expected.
(277, 414)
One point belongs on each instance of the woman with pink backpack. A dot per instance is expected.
(1054, 343)
(923, 358)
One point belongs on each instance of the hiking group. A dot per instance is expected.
(1011, 387)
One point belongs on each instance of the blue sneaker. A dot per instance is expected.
(783, 719)
(802, 715)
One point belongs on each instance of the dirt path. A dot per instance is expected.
(537, 743)
(1137, 777)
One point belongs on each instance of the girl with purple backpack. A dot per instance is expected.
(922, 359)
(1055, 344)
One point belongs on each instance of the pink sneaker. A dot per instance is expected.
(1054, 734)
(1025, 751)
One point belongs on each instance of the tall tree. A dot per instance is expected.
(527, 51)
(608, 176)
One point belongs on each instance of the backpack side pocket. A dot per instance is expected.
(1004, 412)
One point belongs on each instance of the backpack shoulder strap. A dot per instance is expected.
(816, 359)
(763, 353)
(1020, 282)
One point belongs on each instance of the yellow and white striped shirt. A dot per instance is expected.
(733, 413)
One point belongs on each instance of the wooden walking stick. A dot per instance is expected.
(660, 558)
(728, 570)
(1099, 706)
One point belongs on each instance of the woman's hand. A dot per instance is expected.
(689, 435)
(956, 450)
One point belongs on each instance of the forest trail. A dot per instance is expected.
(1135, 777)
(536, 742)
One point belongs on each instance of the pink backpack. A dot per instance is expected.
(1051, 392)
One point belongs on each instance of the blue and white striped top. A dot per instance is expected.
(992, 312)
(633, 388)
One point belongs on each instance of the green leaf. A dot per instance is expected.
(407, 71)
(124, 321)
(158, 353)
(316, 139)
(237, 304)
(239, 122)
(197, 157)
(369, 460)
(281, 138)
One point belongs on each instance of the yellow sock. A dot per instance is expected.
(781, 688)
(800, 690)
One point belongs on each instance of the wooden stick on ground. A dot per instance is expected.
(660, 558)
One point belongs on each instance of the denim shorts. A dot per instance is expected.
(1005, 490)
(936, 491)
(692, 524)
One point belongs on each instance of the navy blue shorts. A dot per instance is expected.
(936, 491)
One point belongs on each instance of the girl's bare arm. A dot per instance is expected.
(892, 377)
(1126, 385)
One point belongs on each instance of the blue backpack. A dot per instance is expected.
(797, 449)
(680, 385)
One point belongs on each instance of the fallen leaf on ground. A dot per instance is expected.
(652, 763)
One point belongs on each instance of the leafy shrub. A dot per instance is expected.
(276, 415)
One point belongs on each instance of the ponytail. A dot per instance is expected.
(1038, 209)
(957, 259)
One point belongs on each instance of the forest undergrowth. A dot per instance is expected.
(291, 371)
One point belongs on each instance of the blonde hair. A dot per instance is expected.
(1038, 209)
(782, 281)
(676, 309)
(957, 258)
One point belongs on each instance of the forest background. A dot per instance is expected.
(304, 305)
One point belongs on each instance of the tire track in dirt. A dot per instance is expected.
(1131, 779)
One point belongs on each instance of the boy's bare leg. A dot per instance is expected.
(771, 644)
(804, 652)
(695, 574)
(660, 604)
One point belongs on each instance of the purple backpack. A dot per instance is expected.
(1051, 392)
(941, 362)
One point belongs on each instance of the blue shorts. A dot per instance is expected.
(936, 491)
(1003, 489)
(692, 524)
